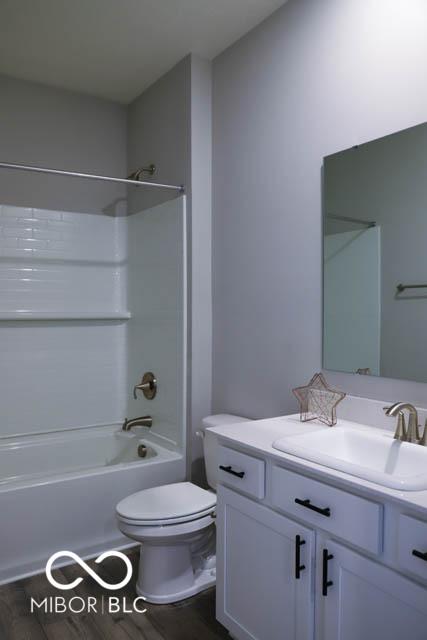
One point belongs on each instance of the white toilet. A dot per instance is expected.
(175, 525)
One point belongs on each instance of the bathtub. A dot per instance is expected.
(58, 491)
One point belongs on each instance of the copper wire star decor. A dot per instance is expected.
(318, 401)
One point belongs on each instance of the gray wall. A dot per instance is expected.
(314, 78)
(49, 127)
(170, 125)
(201, 252)
(159, 125)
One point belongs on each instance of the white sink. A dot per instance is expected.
(367, 453)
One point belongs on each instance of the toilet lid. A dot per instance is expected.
(167, 502)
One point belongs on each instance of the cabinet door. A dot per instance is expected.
(366, 600)
(259, 596)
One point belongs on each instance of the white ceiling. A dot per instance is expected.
(116, 48)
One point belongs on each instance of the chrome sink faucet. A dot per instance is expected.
(143, 421)
(412, 433)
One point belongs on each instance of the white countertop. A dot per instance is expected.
(258, 436)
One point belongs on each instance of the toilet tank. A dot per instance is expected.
(210, 443)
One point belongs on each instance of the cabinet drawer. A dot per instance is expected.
(412, 545)
(355, 519)
(241, 471)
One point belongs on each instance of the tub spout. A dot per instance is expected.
(143, 421)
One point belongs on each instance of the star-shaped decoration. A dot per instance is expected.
(318, 401)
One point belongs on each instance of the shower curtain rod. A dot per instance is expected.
(89, 176)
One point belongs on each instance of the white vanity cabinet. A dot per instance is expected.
(365, 600)
(264, 571)
(360, 579)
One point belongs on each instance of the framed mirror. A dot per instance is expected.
(375, 257)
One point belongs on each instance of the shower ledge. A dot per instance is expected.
(23, 314)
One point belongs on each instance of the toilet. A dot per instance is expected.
(175, 525)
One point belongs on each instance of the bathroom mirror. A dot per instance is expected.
(375, 257)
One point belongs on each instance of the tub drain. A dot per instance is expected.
(142, 450)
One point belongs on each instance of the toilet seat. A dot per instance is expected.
(167, 522)
(167, 534)
(166, 505)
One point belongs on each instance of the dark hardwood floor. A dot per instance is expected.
(192, 619)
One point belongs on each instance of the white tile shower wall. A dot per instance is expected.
(59, 261)
(66, 374)
(156, 282)
(60, 375)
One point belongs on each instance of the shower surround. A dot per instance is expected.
(65, 372)
(88, 302)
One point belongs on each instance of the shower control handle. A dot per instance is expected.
(148, 386)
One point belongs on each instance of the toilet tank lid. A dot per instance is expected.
(220, 419)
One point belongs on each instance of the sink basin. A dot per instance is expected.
(366, 453)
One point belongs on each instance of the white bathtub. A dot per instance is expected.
(58, 491)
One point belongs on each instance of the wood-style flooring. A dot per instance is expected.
(192, 619)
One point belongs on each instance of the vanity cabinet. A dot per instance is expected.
(366, 600)
(314, 561)
(264, 571)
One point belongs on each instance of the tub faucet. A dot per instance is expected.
(143, 421)
(412, 433)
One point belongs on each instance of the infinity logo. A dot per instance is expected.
(87, 568)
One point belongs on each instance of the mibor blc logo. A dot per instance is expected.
(87, 568)
(89, 604)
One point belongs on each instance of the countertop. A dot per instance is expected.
(257, 436)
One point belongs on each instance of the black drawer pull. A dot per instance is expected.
(306, 503)
(298, 566)
(229, 469)
(325, 582)
(419, 554)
